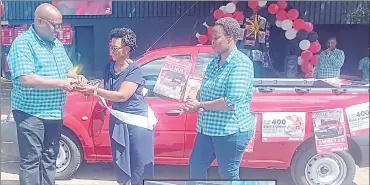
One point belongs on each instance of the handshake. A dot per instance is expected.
(77, 84)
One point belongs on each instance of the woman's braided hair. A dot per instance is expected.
(128, 37)
(231, 27)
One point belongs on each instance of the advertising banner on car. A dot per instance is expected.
(358, 119)
(172, 78)
(283, 126)
(84, 7)
(250, 146)
(329, 130)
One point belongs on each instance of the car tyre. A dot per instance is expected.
(75, 157)
(303, 157)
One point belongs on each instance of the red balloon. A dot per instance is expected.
(253, 4)
(315, 47)
(202, 39)
(228, 15)
(298, 24)
(314, 59)
(238, 16)
(273, 8)
(308, 27)
(293, 14)
(282, 5)
(307, 67)
(218, 14)
(306, 55)
(281, 15)
(309, 75)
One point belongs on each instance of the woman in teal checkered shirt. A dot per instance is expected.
(225, 123)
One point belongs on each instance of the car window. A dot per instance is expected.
(202, 62)
(152, 69)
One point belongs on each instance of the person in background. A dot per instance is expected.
(132, 146)
(225, 123)
(41, 72)
(330, 61)
(363, 66)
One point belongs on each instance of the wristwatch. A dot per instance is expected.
(96, 91)
(201, 106)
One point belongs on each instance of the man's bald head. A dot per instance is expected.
(48, 20)
(48, 11)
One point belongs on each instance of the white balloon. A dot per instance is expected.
(304, 44)
(262, 3)
(286, 24)
(230, 8)
(278, 23)
(291, 33)
(300, 60)
(223, 8)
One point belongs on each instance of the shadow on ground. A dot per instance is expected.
(105, 172)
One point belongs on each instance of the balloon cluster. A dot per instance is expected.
(278, 13)
(237, 10)
(300, 31)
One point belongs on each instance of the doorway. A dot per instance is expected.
(84, 36)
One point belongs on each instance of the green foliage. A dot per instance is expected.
(359, 15)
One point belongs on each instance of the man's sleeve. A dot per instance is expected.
(240, 82)
(20, 59)
(361, 64)
(339, 59)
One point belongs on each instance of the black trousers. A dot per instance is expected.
(38, 141)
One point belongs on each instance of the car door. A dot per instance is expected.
(169, 131)
(204, 57)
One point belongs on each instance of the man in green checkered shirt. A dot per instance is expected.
(41, 73)
(363, 66)
(330, 61)
(225, 122)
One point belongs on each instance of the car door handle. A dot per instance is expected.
(174, 112)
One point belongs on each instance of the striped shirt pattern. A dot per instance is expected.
(364, 67)
(29, 54)
(234, 82)
(329, 65)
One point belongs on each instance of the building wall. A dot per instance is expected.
(150, 21)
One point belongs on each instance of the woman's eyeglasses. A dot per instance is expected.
(112, 48)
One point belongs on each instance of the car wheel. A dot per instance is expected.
(69, 157)
(310, 168)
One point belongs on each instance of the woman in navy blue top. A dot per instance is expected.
(132, 146)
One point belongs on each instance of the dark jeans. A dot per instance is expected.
(228, 150)
(38, 141)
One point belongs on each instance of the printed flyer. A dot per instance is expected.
(250, 146)
(329, 130)
(358, 119)
(283, 126)
(172, 78)
(192, 87)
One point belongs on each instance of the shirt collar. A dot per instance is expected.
(229, 58)
(38, 38)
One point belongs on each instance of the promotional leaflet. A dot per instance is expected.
(329, 130)
(358, 119)
(283, 126)
(192, 87)
(172, 78)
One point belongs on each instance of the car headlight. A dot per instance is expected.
(10, 117)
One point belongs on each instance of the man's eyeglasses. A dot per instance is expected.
(54, 25)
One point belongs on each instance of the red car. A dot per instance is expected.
(86, 137)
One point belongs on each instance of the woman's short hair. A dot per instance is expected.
(128, 37)
(231, 27)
